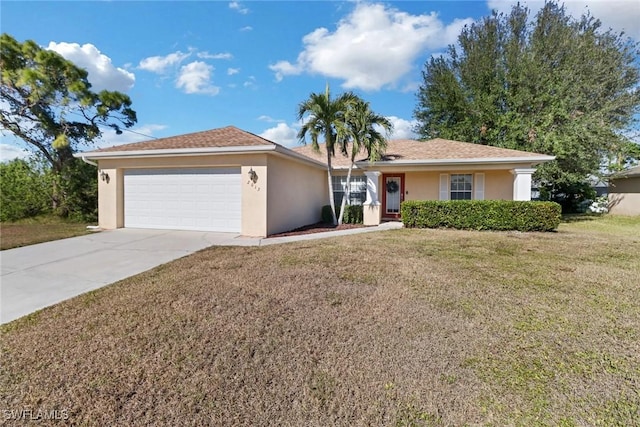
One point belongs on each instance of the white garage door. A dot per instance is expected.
(183, 199)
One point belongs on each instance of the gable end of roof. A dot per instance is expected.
(229, 136)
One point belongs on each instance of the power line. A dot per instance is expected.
(122, 129)
(139, 133)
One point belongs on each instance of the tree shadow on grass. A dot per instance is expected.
(579, 217)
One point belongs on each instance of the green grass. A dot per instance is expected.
(37, 230)
(605, 223)
(400, 328)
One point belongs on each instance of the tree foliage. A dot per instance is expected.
(78, 182)
(348, 124)
(325, 117)
(24, 190)
(363, 134)
(553, 85)
(47, 102)
(27, 190)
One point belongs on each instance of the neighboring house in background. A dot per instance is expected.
(601, 187)
(624, 192)
(230, 180)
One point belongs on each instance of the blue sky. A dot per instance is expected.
(196, 65)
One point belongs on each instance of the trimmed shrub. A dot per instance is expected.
(326, 216)
(481, 214)
(352, 214)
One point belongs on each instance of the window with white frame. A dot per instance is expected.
(358, 190)
(461, 187)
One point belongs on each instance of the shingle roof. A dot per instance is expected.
(435, 149)
(229, 136)
(628, 173)
(397, 150)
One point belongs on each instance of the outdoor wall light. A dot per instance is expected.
(104, 176)
(253, 176)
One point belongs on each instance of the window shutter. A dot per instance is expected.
(479, 186)
(444, 186)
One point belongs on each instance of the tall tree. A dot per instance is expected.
(325, 117)
(552, 84)
(364, 134)
(47, 102)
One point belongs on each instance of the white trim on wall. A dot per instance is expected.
(478, 186)
(444, 186)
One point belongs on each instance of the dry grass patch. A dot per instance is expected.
(405, 327)
(38, 230)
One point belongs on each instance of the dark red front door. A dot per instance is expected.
(392, 194)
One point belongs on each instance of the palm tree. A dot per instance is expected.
(325, 117)
(362, 132)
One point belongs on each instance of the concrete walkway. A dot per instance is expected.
(37, 276)
(314, 236)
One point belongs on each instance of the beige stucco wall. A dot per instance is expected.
(296, 194)
(254, 199)
(421, 185)
(110, 199)
(498, 184)
(254, 195)
(624, 196)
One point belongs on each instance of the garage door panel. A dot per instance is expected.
(187, 199)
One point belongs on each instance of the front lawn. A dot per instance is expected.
(404, 327)
(37, 230)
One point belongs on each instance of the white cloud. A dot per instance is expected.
(283, 134)
(251, 82)
(102, 74)
(238, 7)
(247, 28)
(411, 87)
(207, 55)
(232, 71)
(10, 151)
(285, 68)
(287, 135)
(195, 77)
(139, 133)
(402, 129)
(620, 15)
(269, 119)
(374, 46)
(159, 64)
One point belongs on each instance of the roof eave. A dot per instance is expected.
(101, 155)
(452, 162)
(301, 157)
(625, 175)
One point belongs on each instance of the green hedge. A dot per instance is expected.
(352, 214)
(327, 217)
(481, 214)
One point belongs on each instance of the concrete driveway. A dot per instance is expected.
(41, 275)
(37, 276)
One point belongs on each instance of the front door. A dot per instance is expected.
(393, 195)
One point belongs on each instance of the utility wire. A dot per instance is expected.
(122, 129)
(138, 133)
